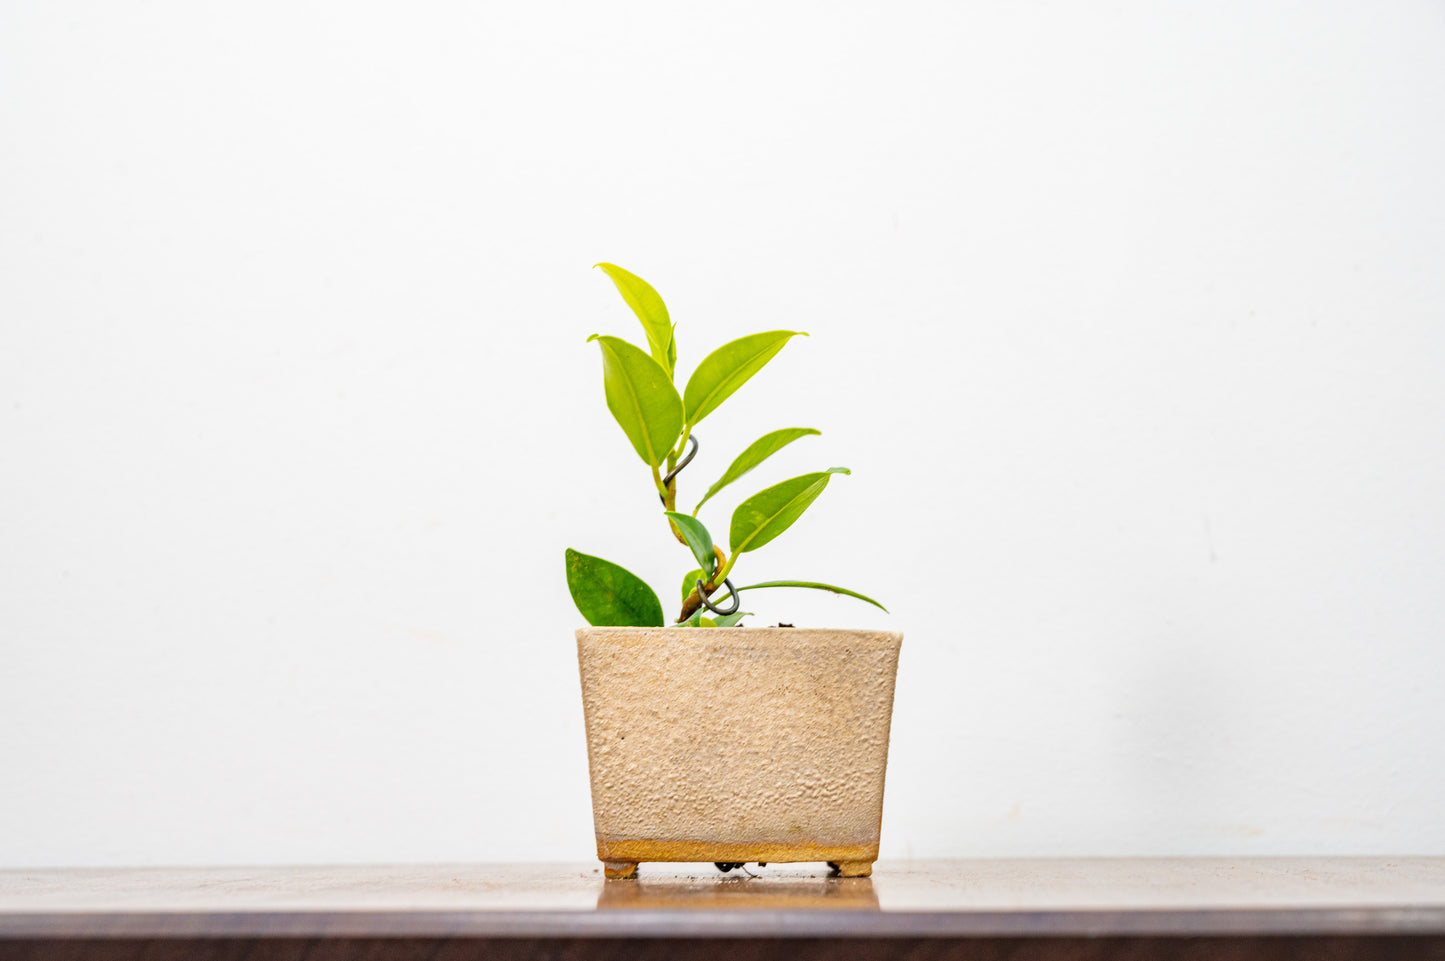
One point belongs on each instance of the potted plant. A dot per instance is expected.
(707, 740)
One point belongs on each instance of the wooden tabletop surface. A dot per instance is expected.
(976, 898)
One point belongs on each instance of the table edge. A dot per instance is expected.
(746, 923)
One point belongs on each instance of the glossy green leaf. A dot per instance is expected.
(758, 451)
(689, 583)
(610, 596)
(699, 541)
(650, 309)
(773, 510)
(641, 398)
(706, 622)
(726, 369)
(731, 620)
(815, 586)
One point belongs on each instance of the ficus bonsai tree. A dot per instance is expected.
(660, 424)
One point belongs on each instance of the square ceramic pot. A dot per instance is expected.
(737, 744)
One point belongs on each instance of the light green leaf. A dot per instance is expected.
(815, 586)
(700, 619)
(641, 397)
(689, 583)
(758, 451)
(610, 596)
(650, 309)
(773, 510)
(726, 369)
(699, 541)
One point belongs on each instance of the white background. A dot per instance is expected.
(1128, 317)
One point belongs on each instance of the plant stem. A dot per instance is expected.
(694, 600)
(669, 497)
(681, 446)
(690, 606)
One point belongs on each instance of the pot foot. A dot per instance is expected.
(619, 869)
(851, 869)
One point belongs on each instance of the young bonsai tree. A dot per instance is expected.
(660, 422)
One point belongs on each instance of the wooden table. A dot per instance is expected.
(1325, 908)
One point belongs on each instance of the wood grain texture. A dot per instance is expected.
(753, 949)
(1056, 899)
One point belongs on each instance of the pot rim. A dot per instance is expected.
(751, 631)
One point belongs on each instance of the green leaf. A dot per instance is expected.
(699, 541)
(641, 397)
(726, 369)
(773, 510)
(758, 451)
(650, 309)
(610, 596)
(815, 586)
(725, 620)
(689, 583)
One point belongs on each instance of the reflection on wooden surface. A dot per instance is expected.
(767, 893)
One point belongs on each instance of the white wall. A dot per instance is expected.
(1128, 317)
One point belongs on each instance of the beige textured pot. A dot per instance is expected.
(735, 744)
